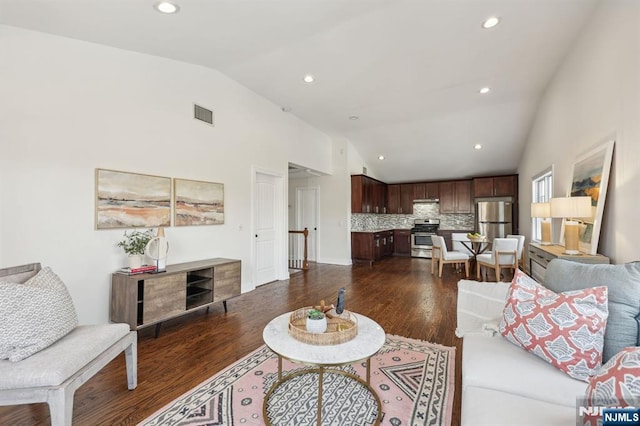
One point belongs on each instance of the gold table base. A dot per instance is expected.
(320, 370)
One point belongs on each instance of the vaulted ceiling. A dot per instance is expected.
(409, 70)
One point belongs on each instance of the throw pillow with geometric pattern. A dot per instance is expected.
(564, 329)
(616, 384)
(34, 315)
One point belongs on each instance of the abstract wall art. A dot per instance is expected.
(198, 203)
(132, 200)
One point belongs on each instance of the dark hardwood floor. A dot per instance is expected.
(399, 293)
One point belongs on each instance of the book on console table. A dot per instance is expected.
(140, 270)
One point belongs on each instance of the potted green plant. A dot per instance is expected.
(316, 321)
(134, 244)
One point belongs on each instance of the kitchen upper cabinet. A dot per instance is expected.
(455, 196)
(406, 198)
(425, 191)
(496, 186)
(419, 191)
(367, 195)
(432, 190)
(400, 198)
(393, 199)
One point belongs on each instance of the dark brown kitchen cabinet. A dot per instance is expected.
(496, 186)
(371, 246)
(432, 191)
(425, 191)
(402, 242)
(419, 191)
(406, 198)
(367, 195)
(400, 198)
(455, 196)
(393, 199)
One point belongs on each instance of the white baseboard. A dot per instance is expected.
(341, 262)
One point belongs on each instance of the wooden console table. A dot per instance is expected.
(540, 256)
(148, 299)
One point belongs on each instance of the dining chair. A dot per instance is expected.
(503, 255)
(520, 239)
(456, 241)
(445, 256)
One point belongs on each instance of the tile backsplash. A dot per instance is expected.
(370, 222)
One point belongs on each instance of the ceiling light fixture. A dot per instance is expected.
(477, 146)
(353, 117)
(308, 78)
(485, 90)
(166, 7)
(381, 157)
(491, 22)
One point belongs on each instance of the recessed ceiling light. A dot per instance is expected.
(491, 22)
(477, 146)
(166, 7)
(308, 78)
(381, 157)
(485, 90)
(353, 117)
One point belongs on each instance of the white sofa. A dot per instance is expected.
(503, 384)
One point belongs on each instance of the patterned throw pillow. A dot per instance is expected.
(616, 384)
(34, 315)
(564, 329)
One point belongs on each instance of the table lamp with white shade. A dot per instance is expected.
(543, 211)
(570, 209)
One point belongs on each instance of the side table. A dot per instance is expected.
(540, 256)
(368, 341)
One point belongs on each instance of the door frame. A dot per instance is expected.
(280, 224)
(316, 190)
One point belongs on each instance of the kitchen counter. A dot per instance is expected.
(369, 231)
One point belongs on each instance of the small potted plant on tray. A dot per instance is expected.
(316, 321)
(134, 244)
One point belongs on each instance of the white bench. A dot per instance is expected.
(53, 374)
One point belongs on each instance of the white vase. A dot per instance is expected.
(317, 326)
(134, 261)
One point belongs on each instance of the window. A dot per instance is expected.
(541, 192)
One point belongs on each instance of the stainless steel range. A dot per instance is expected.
(421, 234)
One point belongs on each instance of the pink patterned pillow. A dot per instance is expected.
(617, 383)
(564, 329)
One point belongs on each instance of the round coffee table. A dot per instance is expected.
(368, 341)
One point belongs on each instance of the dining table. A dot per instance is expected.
(475, 247)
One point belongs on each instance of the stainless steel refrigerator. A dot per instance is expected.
(493, 219)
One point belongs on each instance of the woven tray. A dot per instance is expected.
(340, 328)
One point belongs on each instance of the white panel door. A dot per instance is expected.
(307, 217)
(266, 253)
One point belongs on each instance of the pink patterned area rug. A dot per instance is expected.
(413, 379)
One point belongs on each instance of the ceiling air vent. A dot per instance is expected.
(203, 114)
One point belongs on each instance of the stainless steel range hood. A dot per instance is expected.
(426, 201)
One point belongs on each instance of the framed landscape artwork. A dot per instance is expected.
(198, 203)
(590, 177)
(132, 200)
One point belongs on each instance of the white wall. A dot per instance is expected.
(334, 236)
(594, 97)
(68, 107)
